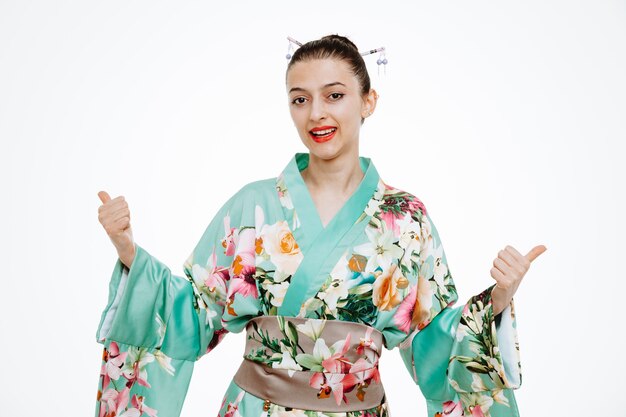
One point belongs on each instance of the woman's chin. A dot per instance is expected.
(325, 153)
(325, 150)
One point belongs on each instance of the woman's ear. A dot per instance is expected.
(369, 103)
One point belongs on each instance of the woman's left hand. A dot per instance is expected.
(508, 270)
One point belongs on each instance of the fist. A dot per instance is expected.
(508, 270)
(114, 215)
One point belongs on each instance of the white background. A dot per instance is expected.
(506, 118)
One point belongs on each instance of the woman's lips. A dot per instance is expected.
(321, 139)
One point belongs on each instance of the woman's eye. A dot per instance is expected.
(297, 100)
(336, 96)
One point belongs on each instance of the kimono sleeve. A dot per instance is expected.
(464, 359)
(157, 324)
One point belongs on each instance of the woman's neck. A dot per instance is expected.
(339, 176)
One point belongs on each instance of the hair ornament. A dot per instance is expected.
(291, 48)
(382, 59)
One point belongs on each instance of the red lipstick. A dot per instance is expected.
(322, 138)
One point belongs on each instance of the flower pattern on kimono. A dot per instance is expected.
(161, 329)
(381, 249)
(403, 316)
(244, 266)
(425, 240)
(480, 358)
(277, 411)
(422, 312)
(283, 194)
(363, 372)
(210, 281)
(324, 358)
(113, 362)
(408, 232)
(336, 292)
(282, 248)
(373, 206)
(397, 203)
(336, 362)
(451, 409)
(164, 361)
(229, 240)
(386, 292)
(287, 362)
(141, 407)
(327, 383)
(233, 408)
(367, 347)
(440, 267)
(312, 328)
(334, 374)
(477, 403)
(131, 365)
(117, 403)
(259, 222)
(337, 289)
(134, 368)
(218, 335)
(278, 292)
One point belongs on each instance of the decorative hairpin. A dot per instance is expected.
(291, 42)
(382, 59)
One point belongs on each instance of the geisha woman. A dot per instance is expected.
(322, 266)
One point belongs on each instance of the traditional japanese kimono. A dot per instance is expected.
(317, 304)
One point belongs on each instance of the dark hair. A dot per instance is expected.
(335, 47)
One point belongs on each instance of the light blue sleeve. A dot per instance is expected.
(157, 324)
(463, 358)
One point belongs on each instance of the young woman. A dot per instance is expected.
(323, 266)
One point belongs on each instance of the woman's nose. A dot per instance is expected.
(318, 110)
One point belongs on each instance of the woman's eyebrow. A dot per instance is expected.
(325, 86)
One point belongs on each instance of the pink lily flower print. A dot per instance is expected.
(113, 362)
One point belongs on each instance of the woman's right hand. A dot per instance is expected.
(114, 216)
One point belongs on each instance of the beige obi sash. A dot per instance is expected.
(311, 364)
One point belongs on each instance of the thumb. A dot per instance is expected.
(534, 252)
(104, 196)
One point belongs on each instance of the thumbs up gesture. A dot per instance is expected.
(508, 270)
(114, 216)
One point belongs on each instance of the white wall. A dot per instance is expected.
(505, 118)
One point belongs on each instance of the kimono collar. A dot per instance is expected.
(303, 203)
(322, 246)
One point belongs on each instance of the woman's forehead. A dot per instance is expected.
(317, 73)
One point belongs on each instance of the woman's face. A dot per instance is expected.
(326, 105)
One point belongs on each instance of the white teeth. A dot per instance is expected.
(324, 132)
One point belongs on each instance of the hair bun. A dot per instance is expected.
(338, 38)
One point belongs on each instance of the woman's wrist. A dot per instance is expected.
(127, 256)
(500, 299)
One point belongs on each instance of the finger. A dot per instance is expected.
(502, 266)
(116, 208)
(516, 254)
(120, 224)
(113, 205)
(519, 265)
(496, 274)
(114, 228)
(507, 257)
(521, 259)
(125, 212)
(104, 196)
(534, 252)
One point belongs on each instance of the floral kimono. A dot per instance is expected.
(318, 303)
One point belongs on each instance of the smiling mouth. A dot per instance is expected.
(322, 135)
